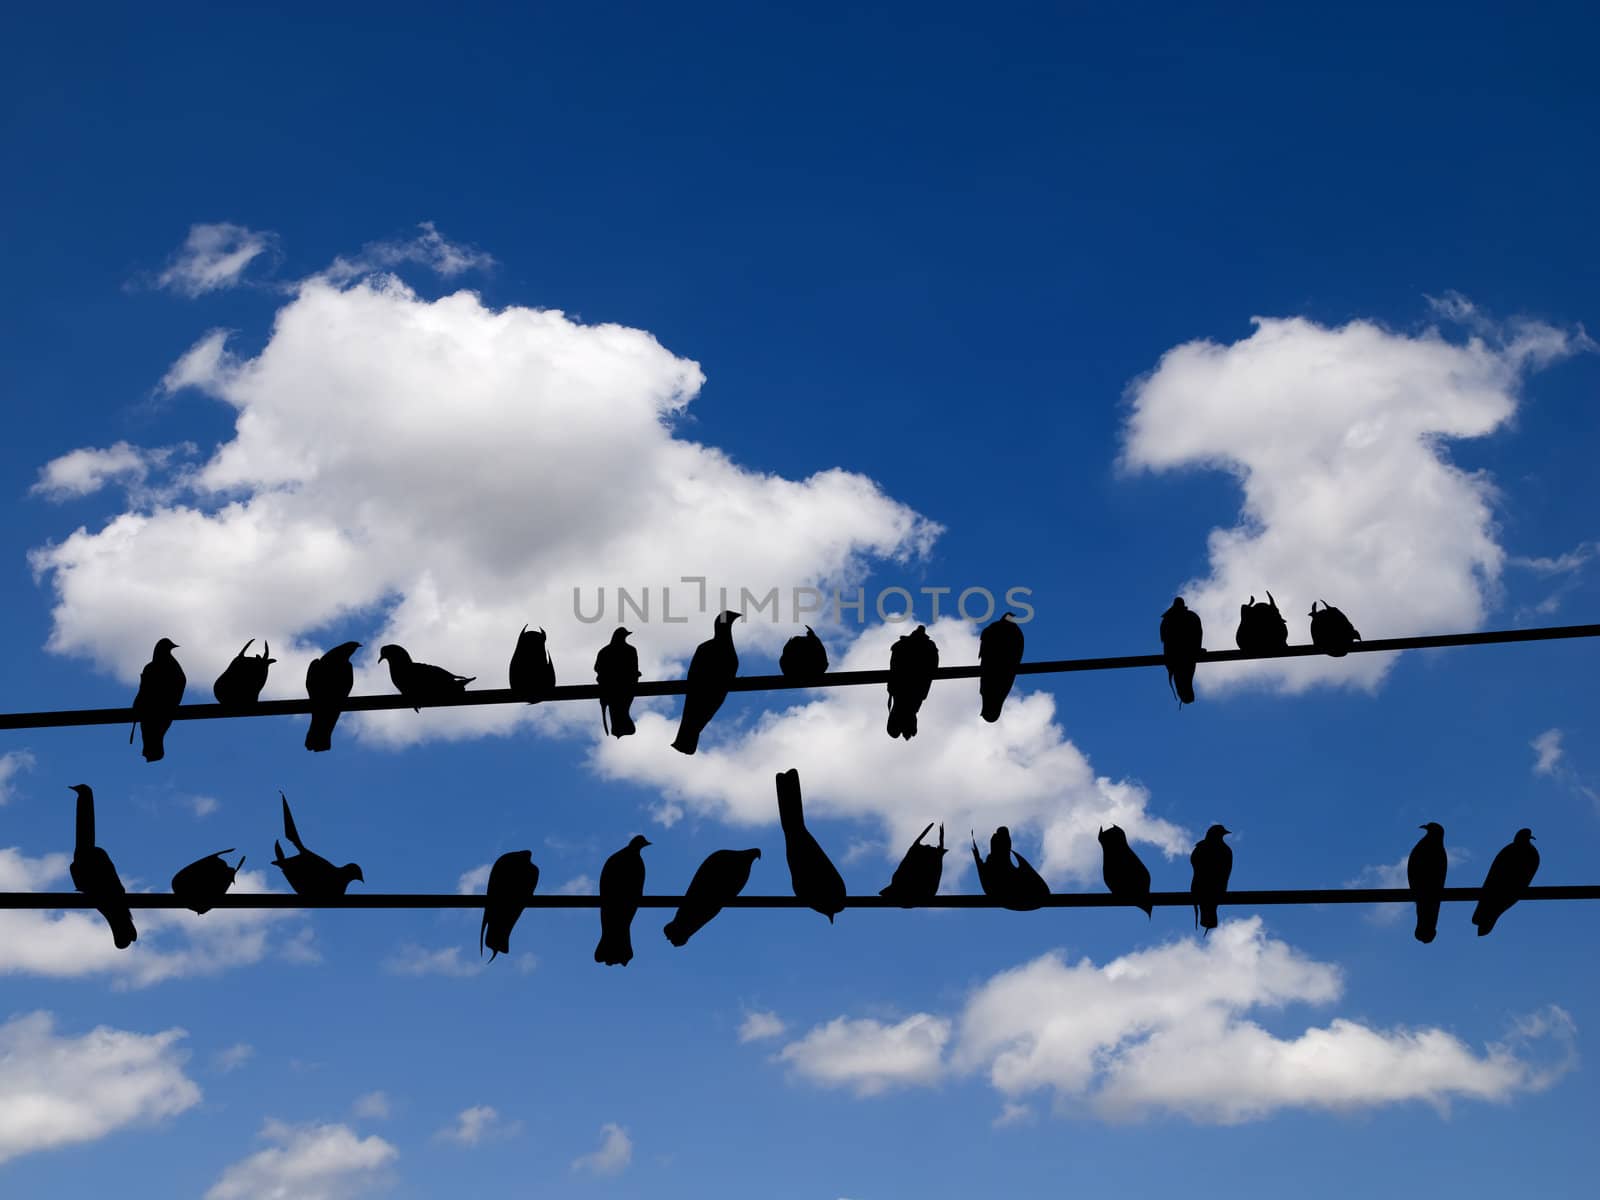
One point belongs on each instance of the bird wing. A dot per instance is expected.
(289, 831)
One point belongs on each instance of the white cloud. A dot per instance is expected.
(411, 959)
(86, 471)
(12, 764)
(613, 1156)
(429, 248)
(1393, 875)
(1547, 752)
(869, 1056)
(580, 885)
(57, 1090)
(213, 257)
(476, 1125)
(758, 1026)
(473, 882)
(307, 1162)
(373, 1106)
(1013, 1114)
(204, 806)
(233, 1057)
(1337, 438)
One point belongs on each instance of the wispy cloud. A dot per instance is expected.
(758, 1026)
(613, 1156)
(12, 764)
(476, 1125)
(213, 257)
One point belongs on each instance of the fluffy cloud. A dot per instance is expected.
(476, 1125)
(310, 1162)
(613, 1156)
(1337, 438)
(57, 1090)
(870, 1056)
(1547, 752)
(758, 1026)
(213, 257)
(12, 763)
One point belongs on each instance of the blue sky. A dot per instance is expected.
(929, 297)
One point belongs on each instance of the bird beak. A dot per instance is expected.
(648, 842)
(1421, 826)
(1226, 832)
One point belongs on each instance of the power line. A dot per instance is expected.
(777, 683)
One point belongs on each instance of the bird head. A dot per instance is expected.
(1007, 615)
(1177, 602)
(1000, 843)
(84, 791)
(728, 618)
(394, 653)
(754, 851)
(1525, 836)
(810, 631)
(638, 842)
(343, 650)
(166, 646)
(1433, 827)
(351, 871)
(1216, 833)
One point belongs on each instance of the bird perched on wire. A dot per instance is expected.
(711, 670)
(1018, 886)
(1212, 860)
(1509, 875)
(1425, 872)
(328, 683)
(1261, 627)
(916, 880)
(161, 685)
(719, 879)
(511, 882)
(421, 683)
(913, 659)
(812, 874)
(1181, 648)
(95, 876)
(804, 656)
(999, 656)
(308, 873)
(533, 672)
(239, 685)
(202, 882)
(1123, 870)
(621, 885)
(1331, 631)
(616, 671)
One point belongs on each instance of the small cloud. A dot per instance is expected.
(870, 1056)
(372, 1106)
(412, 959)
(473, 882)
(12, 764)
(760, 1025)
(204, 806)
(476, 1125)
(581, 886)
(614, 1155)
(301, 949)
(1547, 752)
(1561, 564)
(213, 257)
(234, 1057)
(1013, 1114)
(309, 1162)
(430, 249)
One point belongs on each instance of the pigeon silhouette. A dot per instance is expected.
(511, 882)
(1425, 871)
(1261, 627)
(999, 656)
(161, 685)
(328, 683)
(1509, 875)
(804, 657)
(719, 879)
(621, 885)
(916, 879)
(421, 683)
(1331, 631)
(711, 670)
(1212, 860)
(308, 873)
(912, 661)
(203, 881)
(814, 877)
(616, 671)
(1181, 647)
(533, 673)
(1018, 886)
(1124, 872)
(239, 685)
(94, 875)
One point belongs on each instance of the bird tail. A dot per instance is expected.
(687, 741)
(1208, 916)
(604, 723)
(1427, 920)
(1484, 919)
(123, 932)
(990, 710)
(616, 951)
(131, 729)
(675, 932)
(320, 734)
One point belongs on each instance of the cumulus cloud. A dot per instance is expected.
(1547, 752)
(308, 1162)
(213, 257)
(613, 1156)
(871, 1057)
(758, 1026)
(12, 764)
(476, 1125)
(1337, 438)
(58, 1090)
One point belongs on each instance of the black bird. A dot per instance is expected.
(916, 879)
(533, 673)
(1181, 648)
(1261, 627)
(1331, 631)
(912, 661)
(711, 670)
(161, 685)
(621, 885)
(1425, 871)
(240, 684)
(511, 882)
(200, 883)
(1212, 860)
(616, 670)
(308, 873)
(804, 657)
(1124, 872)
(814, 877)
(328, 683)
(1018, 887)
(421, 683)
(999, 656)
(1509, 876)
(95, 876)
(719, 879)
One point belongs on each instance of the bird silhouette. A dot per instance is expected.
(239, 685)
(511, 882)
(1018, 886)
(1212, 860)
(616, 671)
(421, 683)
(999, 656)
(916, 880)
(1181, 648)
(202, 882)
(711, 670)
(621, 885)
(533, 673)
(814, 877)
(308, 873)
(1509, 875)
(1425, 871)
(912, 661)
(95, 876)
(328, 683)
(804, 656)
(161, 685)
(1124, 872)
(1261, 627)
(719, 879)
(1331, 631)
